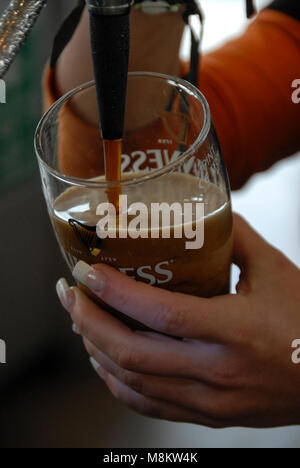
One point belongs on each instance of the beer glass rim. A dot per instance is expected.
(93, 183)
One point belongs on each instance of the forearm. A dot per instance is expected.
(155, 44)
(248, 84)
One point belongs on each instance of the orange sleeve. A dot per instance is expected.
(248, 84)
(74, 137)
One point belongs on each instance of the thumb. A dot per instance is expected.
(250, 249)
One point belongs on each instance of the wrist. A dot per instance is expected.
(155, 41)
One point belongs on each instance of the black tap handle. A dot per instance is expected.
(110, 50)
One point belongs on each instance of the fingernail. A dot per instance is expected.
(94, 363)
(97, 367)
(74, 328)
(65, 294)
(91, 278)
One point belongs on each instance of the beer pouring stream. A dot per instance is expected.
(110, 34)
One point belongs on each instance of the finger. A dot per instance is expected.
(210, 401)
(256, 258)
(153, 407)
(142, 352)
(163, 311)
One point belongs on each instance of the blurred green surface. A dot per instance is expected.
(18, 119)
(23, 108)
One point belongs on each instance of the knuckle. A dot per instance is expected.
(226, 375)
(133, 381)
(244, 327)
(242, 337)
(126, 357)
(80, 325)
(245, 333)
(115, 389)
(119, 355)
(170, 319)
(89, 347)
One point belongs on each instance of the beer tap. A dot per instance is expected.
(109, 7)
(16, 23)
(110, 31)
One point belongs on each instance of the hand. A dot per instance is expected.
(233, 367)
(155, 44)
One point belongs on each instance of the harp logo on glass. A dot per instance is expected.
(2, 352)
(2, 92)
